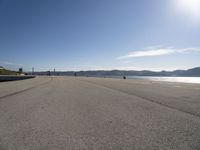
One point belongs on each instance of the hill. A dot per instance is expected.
(194, 72)
(4, 71)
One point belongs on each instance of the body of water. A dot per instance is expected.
(169, 79)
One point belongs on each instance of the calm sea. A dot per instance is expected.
(169, 79)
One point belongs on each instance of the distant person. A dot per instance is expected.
(75, 74)
(124, 77)
(48, 73)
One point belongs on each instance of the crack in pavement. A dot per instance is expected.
(144, 98)
(27, 89)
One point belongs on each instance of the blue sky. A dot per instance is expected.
(100, 34)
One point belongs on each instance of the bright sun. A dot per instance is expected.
(190, 8)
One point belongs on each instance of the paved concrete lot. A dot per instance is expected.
(67, 113)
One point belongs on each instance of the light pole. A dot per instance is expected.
(32, 70)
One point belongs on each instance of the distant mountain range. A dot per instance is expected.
(194, 72)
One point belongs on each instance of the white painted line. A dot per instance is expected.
(177, 86)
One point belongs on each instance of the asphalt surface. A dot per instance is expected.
(67, 113)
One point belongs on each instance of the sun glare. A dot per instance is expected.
(190, 8)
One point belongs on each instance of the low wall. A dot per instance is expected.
(14, 78)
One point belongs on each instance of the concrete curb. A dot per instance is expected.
(4, 78)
